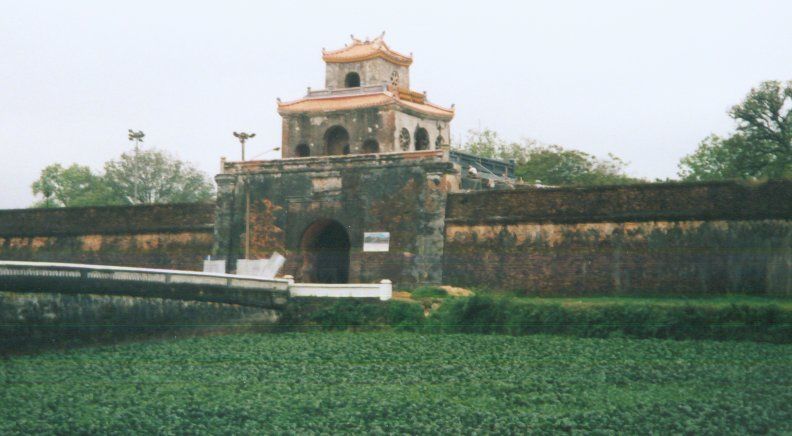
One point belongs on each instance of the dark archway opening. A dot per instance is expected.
(352, 80)
(404, 139)
(336, 140)
(370, 146)
(302, 150)
(421, 139)
(325, 253)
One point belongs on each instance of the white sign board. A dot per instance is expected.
(214, 266)
(376, 241)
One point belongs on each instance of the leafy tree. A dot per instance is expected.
(548, 164)
(761, 147)
(74, 186)
(555, 165)
(153, 176)
(137, 177)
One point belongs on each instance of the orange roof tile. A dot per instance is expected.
(349, 102)
(365, 50)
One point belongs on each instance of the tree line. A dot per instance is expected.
(759, 148)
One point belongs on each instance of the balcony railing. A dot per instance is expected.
(490, 168)
(368, 89)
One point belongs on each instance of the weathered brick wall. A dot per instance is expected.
(163, 236)
(659, 239)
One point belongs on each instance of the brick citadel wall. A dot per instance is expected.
(177, 236)
(652, 239)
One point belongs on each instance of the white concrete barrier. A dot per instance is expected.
(382, 290)
(267, 268)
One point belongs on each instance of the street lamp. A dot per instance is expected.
(243, 137)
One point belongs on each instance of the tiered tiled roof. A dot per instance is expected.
(360, 50)
(360, 101)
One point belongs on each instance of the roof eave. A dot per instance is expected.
(334, 59)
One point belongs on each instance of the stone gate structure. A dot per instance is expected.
(364, 155)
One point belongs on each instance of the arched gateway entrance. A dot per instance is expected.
(325, 253)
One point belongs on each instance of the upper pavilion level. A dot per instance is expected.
(367, 106)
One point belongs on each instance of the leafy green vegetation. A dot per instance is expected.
(401, 383)
(32, 322)
(639, 318)
(714, 301)
(761, 146)
(429, 292)
(136, 177)
(548, 164)
(303, 314)
(719, 318)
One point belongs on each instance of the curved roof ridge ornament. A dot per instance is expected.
(360, 50)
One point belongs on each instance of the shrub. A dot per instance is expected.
(429, 292)
(348, 314)
(486, 314)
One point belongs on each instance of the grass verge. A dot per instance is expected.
(753, 320)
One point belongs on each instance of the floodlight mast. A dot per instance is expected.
(137, 136)
(243, 137)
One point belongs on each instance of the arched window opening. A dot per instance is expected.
(352, 80)
(302, 150)
(404, 139)
(439, 141)
(370, 146)
(421, 139)
(325, 253)
(336, 141)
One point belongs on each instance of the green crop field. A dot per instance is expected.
(401, 382)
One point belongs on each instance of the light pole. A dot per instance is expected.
(136, 136)
(247, 201)
(243, 137)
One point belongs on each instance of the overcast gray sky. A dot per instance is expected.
(643, 80)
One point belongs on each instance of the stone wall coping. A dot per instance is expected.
(104, 220)
(727, 200)
(434, 158)
(301, 161)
